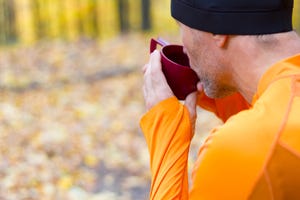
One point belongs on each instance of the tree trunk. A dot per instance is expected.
(123, 15)
(2, 24)
(146, 16)
(10, 20)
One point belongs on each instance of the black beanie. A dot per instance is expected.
(236, 17)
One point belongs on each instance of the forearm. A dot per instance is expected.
(167, 130)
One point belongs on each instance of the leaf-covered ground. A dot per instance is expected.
(69, 121)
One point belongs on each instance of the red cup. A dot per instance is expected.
(181, 78)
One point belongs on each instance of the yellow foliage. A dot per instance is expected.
(134, 13)
(296, 16)
(108, 18)
(54, 11)
(91, 160)
(72, 19)
(161, 17)
(24, 21)
(65, 182)
(89, 17)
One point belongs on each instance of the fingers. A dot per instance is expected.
(155, 86)
(154, 62)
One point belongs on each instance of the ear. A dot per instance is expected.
(220, 40)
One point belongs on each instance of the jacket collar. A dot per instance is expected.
(281, 69)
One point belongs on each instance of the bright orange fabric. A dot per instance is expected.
(254, 155)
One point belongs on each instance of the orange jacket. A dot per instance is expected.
(255, 154)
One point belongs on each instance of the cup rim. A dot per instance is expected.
(169, 60)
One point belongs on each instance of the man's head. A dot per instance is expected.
(206, 53)
(208, 28)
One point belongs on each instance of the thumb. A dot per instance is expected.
(191, 103)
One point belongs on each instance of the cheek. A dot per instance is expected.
(194, 55)
(193, 49)
(186, 39)
(200, 62)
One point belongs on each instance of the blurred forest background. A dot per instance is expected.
(71, 97)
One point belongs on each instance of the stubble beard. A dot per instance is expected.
(215, 89)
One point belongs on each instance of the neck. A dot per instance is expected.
(253, 56)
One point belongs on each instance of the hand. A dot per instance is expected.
(155, 88)
(191, 104)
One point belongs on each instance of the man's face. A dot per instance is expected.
(206, 61)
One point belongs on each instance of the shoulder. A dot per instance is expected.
(234, 154)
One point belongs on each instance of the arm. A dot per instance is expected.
(168, 133)
(168, 128)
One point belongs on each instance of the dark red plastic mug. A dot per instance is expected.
(181, 78)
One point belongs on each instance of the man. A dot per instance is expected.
(248, 60)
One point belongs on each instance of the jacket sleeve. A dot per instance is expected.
(167, 129)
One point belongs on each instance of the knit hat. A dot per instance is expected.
(236, 17)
